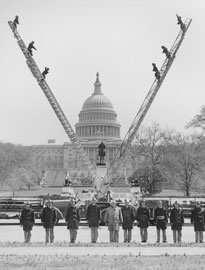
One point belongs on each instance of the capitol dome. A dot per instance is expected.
(97, 100)
(97, 119)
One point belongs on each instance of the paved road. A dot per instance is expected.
(95, 250)
(11, 242)
(15, 233)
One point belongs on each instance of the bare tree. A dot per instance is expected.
(16, 167)
(149, 179)
(198, 122)
(23, 177)
(187, 160)
(11, 156)
(152, 143)
(151, 146)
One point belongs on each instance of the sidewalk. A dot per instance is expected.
(101, 251)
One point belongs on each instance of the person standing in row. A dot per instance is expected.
(49, 218)
(93, 217)
(143, 219)
(197, 217)
(160, 219)
(72, 219)
(128, 216)
(176, 221)
(113, 218)
(27, 220)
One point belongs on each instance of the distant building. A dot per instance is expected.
(97, 123)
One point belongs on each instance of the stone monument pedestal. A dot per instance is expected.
(101, 172)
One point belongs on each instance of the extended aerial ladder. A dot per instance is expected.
(54, 104)
(131, 134)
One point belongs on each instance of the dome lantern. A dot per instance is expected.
(97, 85)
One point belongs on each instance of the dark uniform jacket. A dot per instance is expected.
(72, 217)
(197, 217)
(27, 219)
(48, 217)
(128, 216)
(143, 217)
(176, 219)
(93, 215)
(160, 218)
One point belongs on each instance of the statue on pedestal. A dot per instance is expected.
(101, 153)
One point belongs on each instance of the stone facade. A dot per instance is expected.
(97, 123)
(97, 119)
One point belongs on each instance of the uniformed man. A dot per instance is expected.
(176, 221)
(197, 218)
(160, 219)
(128, 216)
(49, 218)
(143, 220)
(93, 217)
(31, 47)
(27, 220)
(45, 72)
(157, 73)
(179, 21)
(165, 50)
(72, 219)
(16, 21)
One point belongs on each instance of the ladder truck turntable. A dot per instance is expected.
(103, 183)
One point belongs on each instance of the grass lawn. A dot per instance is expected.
(67, 262)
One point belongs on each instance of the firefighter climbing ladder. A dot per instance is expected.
(53, 102)
(131, 134)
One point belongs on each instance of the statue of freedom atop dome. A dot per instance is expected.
(101, 153)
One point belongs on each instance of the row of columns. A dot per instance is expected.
(98, 130)
(85, 117)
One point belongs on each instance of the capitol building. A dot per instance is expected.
(97, 123)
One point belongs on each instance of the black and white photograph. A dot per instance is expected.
(102, 134)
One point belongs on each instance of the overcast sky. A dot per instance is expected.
(119, 39)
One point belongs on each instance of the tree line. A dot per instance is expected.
(17, 167)
(159, 156)
(167, 156)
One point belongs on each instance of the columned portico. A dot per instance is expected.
(98, 122)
